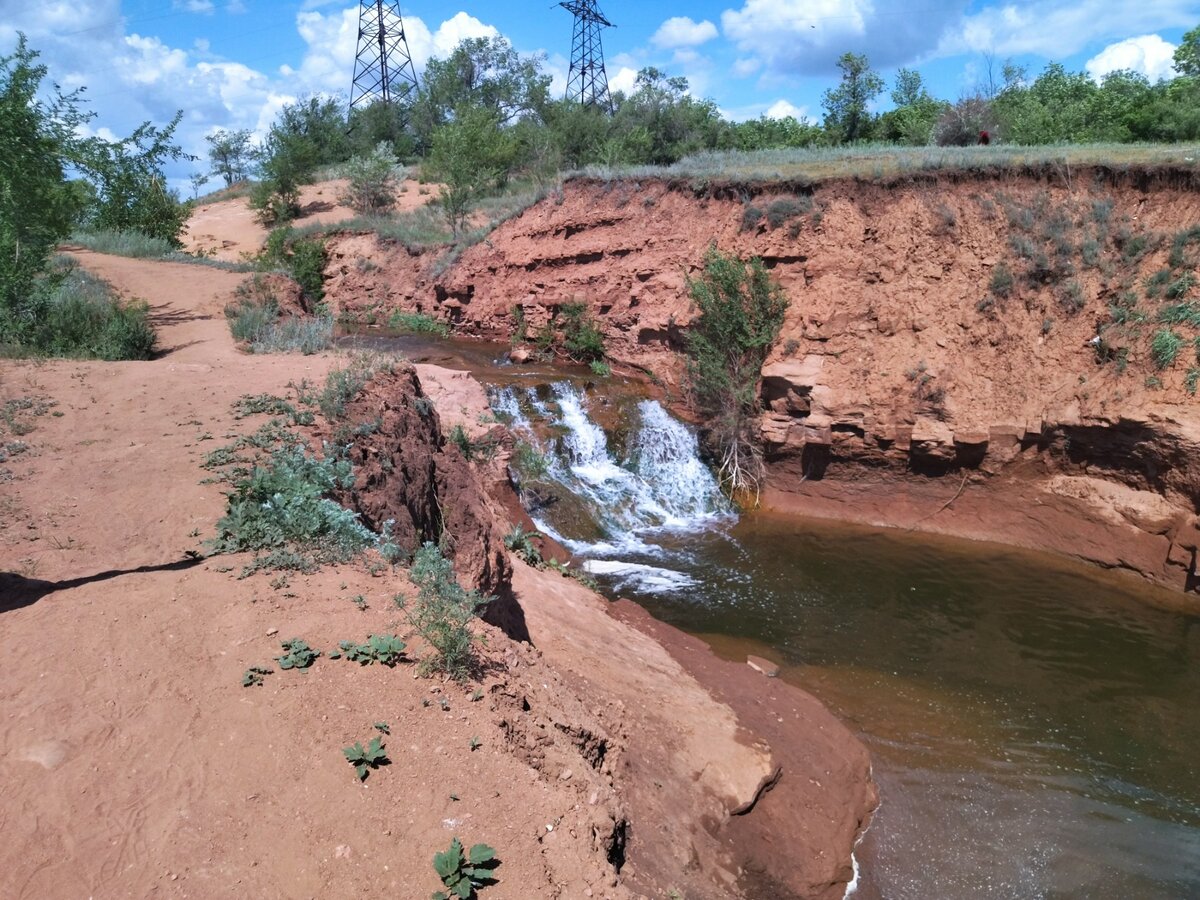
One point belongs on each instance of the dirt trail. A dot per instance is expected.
(133, 762)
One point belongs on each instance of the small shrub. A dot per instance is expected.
(582, 339)
(253, 676)
(307, 266)
(372, 188)
(1177, 258)
(441, 613)
(72, 313)
(1070, 297)
(600, 368)
(521, 542)
(366, 758)
(417, 323)
(283, 504)
(297, 655)
(249, 321)
(1102, 210)
(1165, 347)
(463, 873)
(741, 314)
(786, 208)
(295, 334)
(1186, 313)
(1180, 286)
(385, 649)
(1156, 282)
(1191, 380)
(343, 385)
(1002, 280)
(529, 462)
(751, 216)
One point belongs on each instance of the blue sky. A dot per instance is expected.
(234, 63)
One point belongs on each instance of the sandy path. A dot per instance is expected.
(132, 762)
(228, 229)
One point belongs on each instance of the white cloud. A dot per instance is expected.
(789, 37)
(1148, 54)
(782, 109)
(195, 6)
(1054, 28)
(744, 68)
(623, 81)
(681, 31)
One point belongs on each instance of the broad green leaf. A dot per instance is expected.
(481, 853)
(446, 862)
(464, 889)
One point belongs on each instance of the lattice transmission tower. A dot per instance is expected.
(383, 67)
(587, 81)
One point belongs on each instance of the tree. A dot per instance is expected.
(916, 112)
(37, 205)
(469, 156)
(660, 122)
(741, 312)
(485, 73)
(1187, 54)
(132, 192)
(846, 113)
(231, 154)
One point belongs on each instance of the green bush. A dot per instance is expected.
(1002, 280)
(295, 334)
(372, 188)
(583, 340)
(75, 314)
(283, 504)
(343, 385)
(418, 323)
(1165, 347)
(441, 613)
(463, 872)
(741, 314)
(787, 208)
(249, 320)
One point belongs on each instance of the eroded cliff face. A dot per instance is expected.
(996, 328)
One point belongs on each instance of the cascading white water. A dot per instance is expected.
(661, 487)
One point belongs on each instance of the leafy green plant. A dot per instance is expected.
(441, 613)
(529, 462)
(254, 675)
(582, 338)
(1165, 347)
(366, 758)
(417, 323)
(385, 649)
(343, 385)
(464, 872)
(474, 743)
(1191, 380)
(283, 504)
(383, 727)
(741, 314)
(297, 655)
(373, 182)
(521, 541)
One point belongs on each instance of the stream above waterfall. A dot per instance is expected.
(1031, 720)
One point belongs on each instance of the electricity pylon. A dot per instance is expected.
(383, 67)
(587, 81)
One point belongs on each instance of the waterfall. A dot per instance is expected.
(614, 512)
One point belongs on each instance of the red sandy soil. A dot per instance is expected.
(228, 229)
(133, 763)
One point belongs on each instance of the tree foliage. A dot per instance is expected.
(231, 154)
